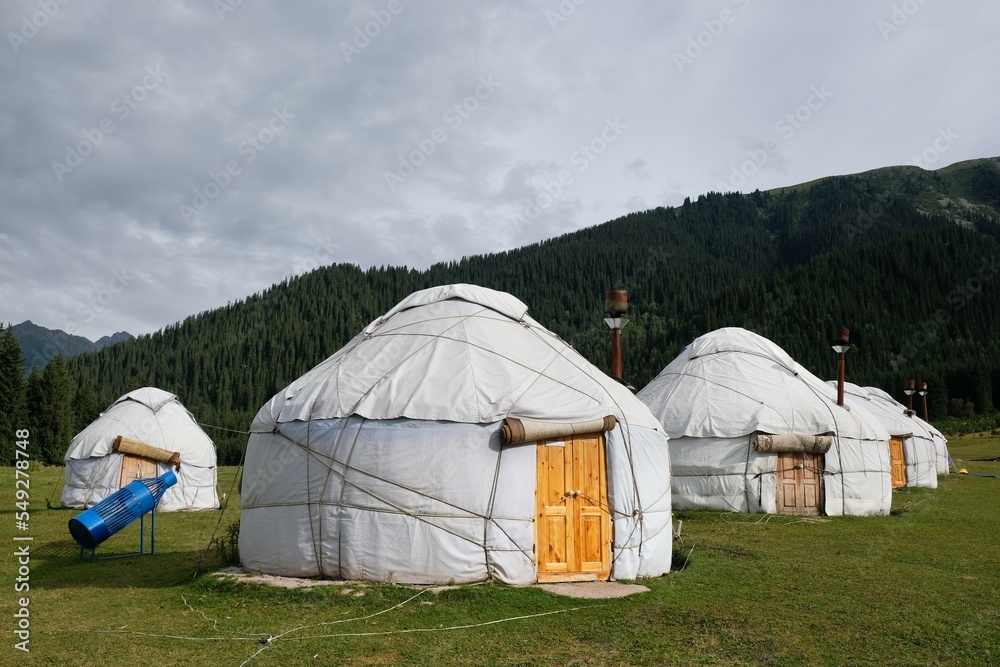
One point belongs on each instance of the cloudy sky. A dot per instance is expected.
(161, 158)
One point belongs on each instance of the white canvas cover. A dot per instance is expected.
(384, 462)
(731, 383)
(155, 417)
(943, 458)
(918, 444)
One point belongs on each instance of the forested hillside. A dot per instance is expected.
(908, 259)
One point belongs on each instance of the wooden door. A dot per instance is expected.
(799, 483)
(573, 524)
(135, 467)
(897, 458)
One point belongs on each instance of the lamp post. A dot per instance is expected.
(923, 396)
(615, 305)
(909, 389)
(841, 346)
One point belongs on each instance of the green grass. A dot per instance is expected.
(915, 588)
(971, 451)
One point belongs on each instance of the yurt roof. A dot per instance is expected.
(883, 398)
(732, 382)
(459, 353)
(884, 408)
(152, 416)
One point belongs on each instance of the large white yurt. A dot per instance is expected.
(912, 454)
(456, 439)
(97, 465)
(753, 431)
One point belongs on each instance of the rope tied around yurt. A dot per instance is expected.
(397, 509)
(225, 506)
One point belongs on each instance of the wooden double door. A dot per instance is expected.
(799, 483)
(136, 467)
(572, 518)
(897, 458)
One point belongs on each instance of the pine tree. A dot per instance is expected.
(85, 407)
(57, 418)
(34, 401)
(12, 386)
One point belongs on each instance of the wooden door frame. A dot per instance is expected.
(802, 459)
(139, 459)
(897, 482)
(576, 513)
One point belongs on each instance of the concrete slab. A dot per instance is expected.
(594, 590)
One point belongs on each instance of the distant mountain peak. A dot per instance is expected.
(39, 344)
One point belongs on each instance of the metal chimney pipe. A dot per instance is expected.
(909, 389)
(841, 346)
(617, 365)
(615, 305)
(923, 395)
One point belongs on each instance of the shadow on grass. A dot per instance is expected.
(58, 565)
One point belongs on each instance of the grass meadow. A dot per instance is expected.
(918, 587)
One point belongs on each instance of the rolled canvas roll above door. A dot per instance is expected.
(791, 442)
(515, 431)
(129, 446)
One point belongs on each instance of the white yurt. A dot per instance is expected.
(911, 446)
(943, 458)
(142, 434)
(455, 439)
(753, 431)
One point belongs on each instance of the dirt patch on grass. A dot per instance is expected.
(581, 589)
(594, 590)
(239, 575)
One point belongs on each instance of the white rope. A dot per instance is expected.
(215, 623)
(450, 627)
(220, 428)
(268, 640)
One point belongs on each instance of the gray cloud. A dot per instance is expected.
(188, 101)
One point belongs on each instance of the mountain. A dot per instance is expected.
(907, 258)
(39, 345)
(117, 337)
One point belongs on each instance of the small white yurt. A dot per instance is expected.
(911, 447)
(753, 431)
(142, 434)
(942, 457)
(455, 439)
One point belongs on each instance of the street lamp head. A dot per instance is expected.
(923, 389)
(909, 388)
